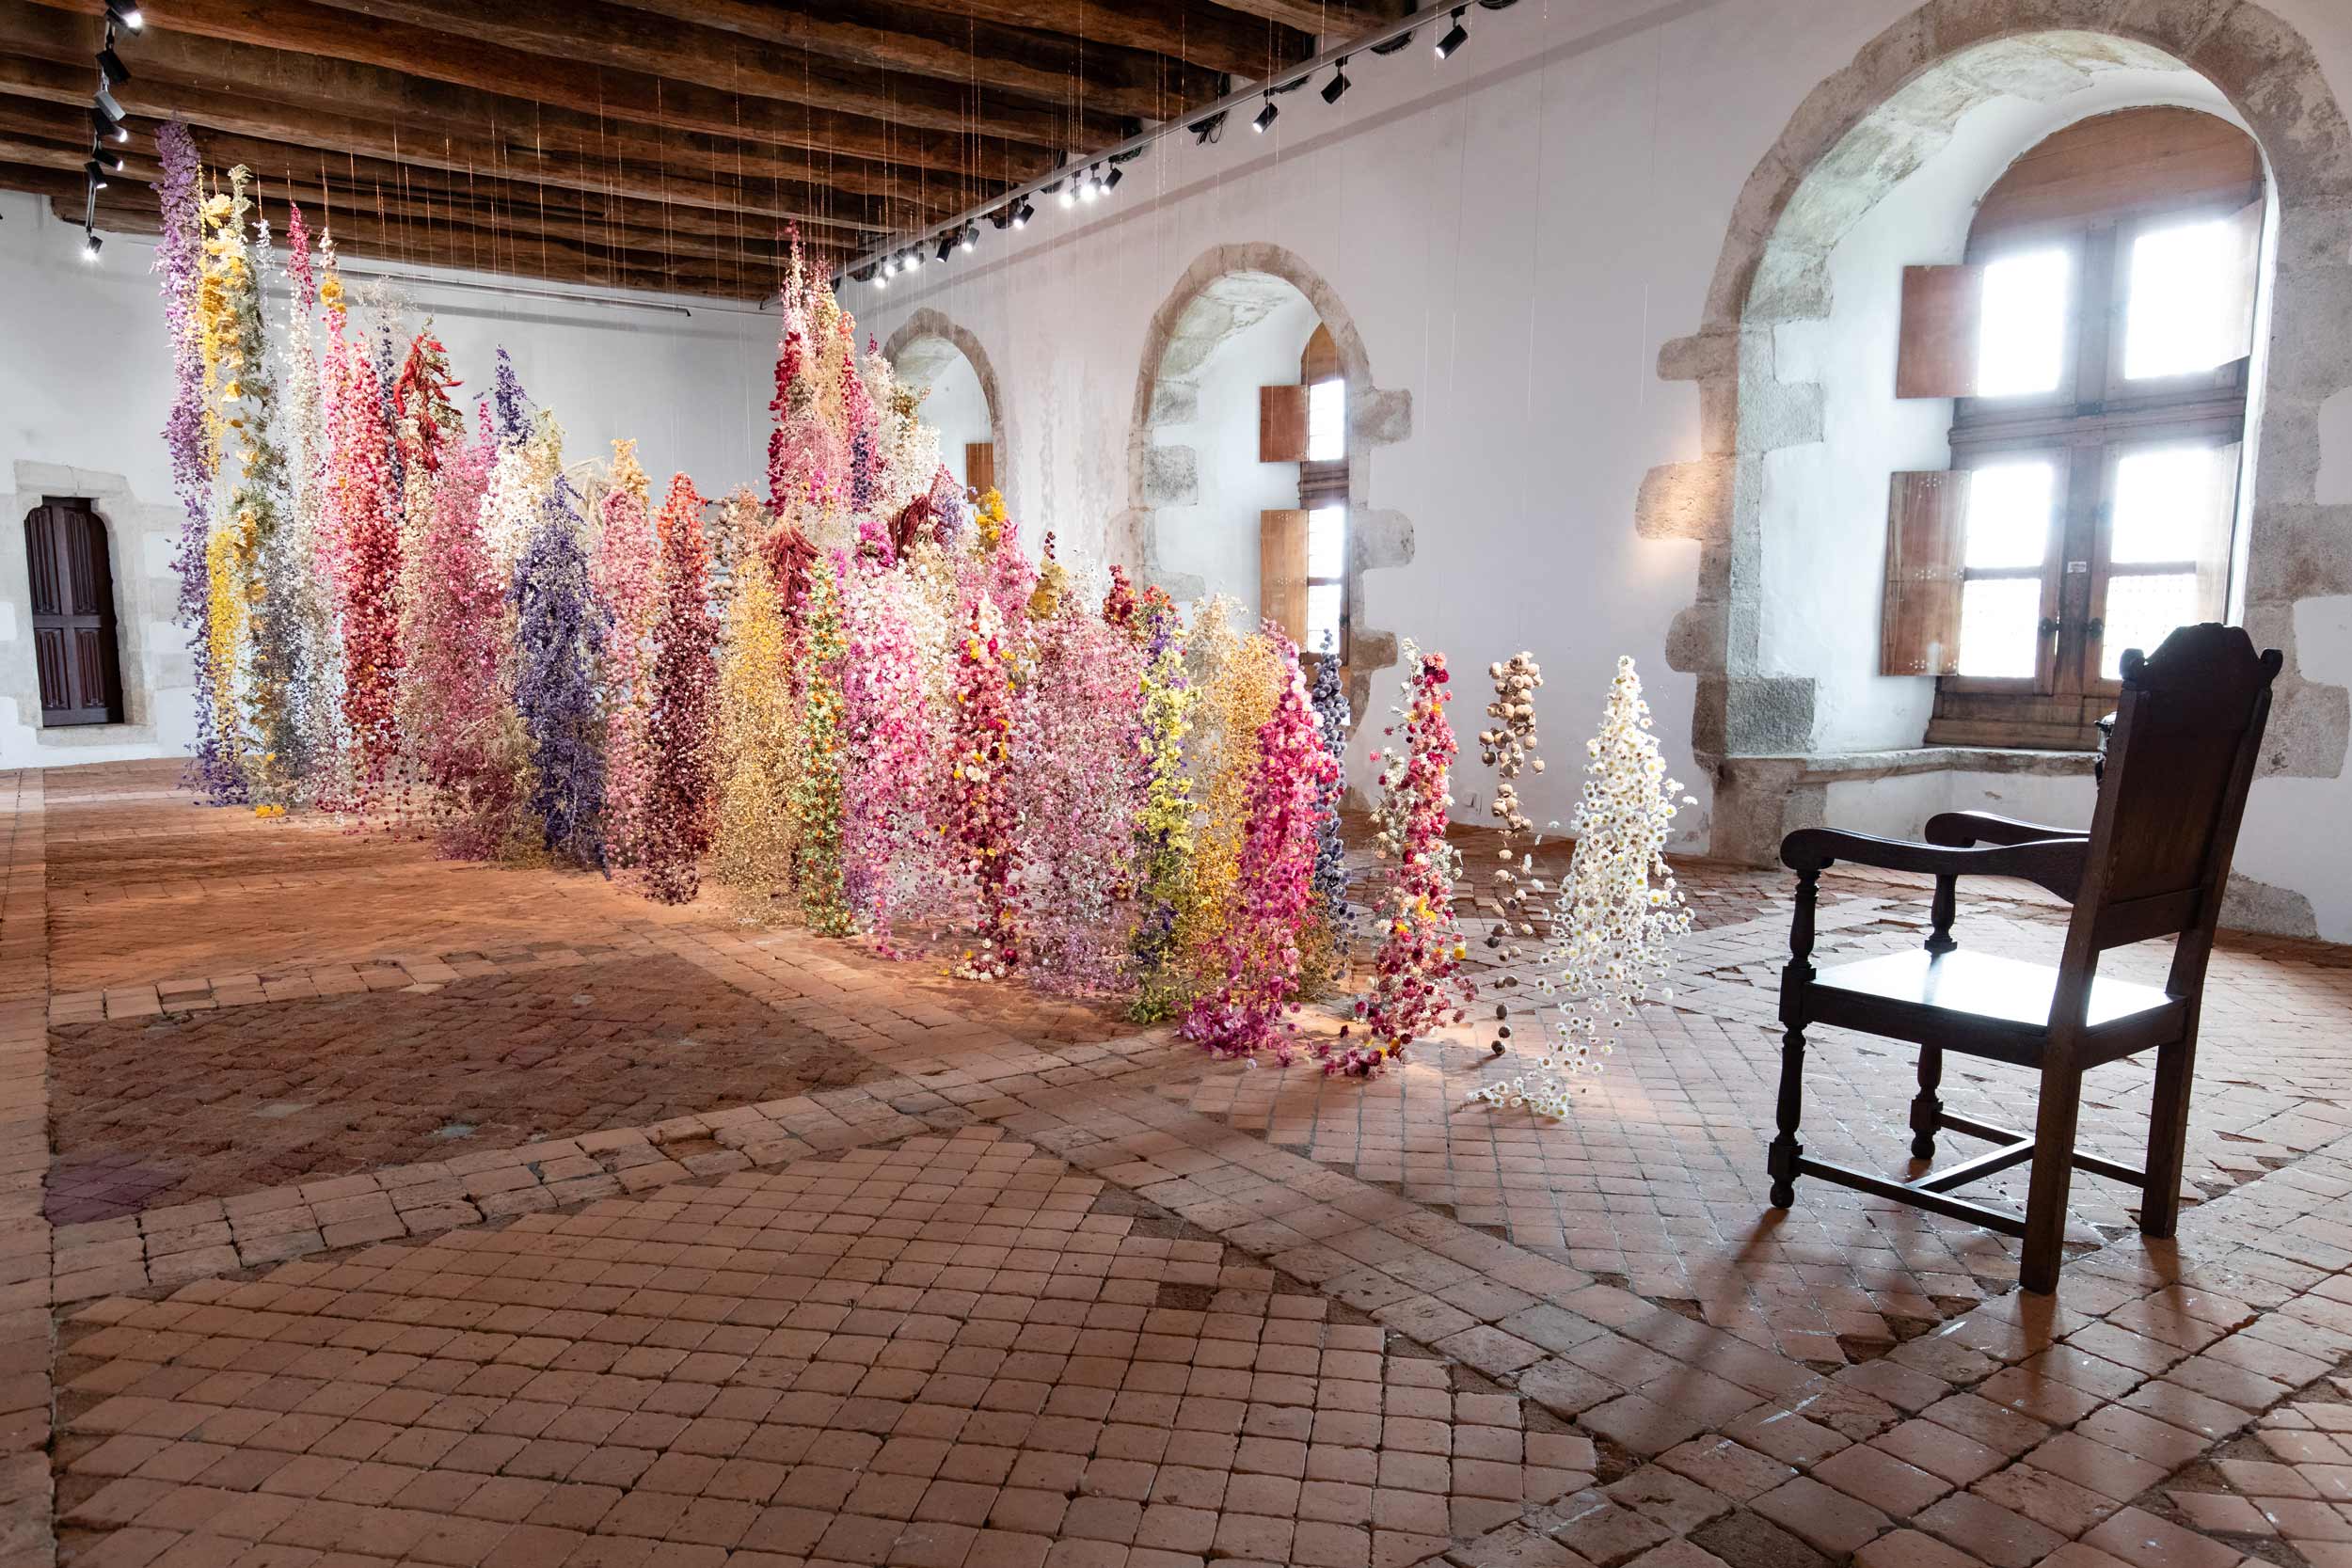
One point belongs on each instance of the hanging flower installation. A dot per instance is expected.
(758, 742)
(296, 586)
(364, 525)
(1247, 1007)
(685, 670)
(890, 743)
(1119, 603)
(1508, 747)
(1619, 912)
(1164, 821)
(179, 260)
(623, 576)
(560, 640)
(1077, 728)
(1240, 679)
(817, 800)
(1324, 945)
(1417, 980)
(979, 825)
(459, 702)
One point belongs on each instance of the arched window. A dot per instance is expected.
(74, 646)
(1303, 553)
(2096, 343)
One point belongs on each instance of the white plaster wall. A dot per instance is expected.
(958, 408)
(1217, 538)
(85, 382)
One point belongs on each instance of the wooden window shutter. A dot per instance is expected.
(1281, 424)
(1927, 531)
(1282, 569)
(979, 465)
(1942, 307)
(2245, 226)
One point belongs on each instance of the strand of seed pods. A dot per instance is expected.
(1508, 747)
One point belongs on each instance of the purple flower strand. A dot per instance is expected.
(559, 636)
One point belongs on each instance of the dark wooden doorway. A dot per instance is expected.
(74, 614)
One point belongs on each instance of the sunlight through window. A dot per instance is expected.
(2183, 309)
(2021, 346)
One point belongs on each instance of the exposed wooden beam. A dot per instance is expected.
(366, 239)
(618, 38)
(1335, 20)
(504, 213)
(310, 140)
(301, 27)
(304, 97)
(1189, 30)
(891, 35)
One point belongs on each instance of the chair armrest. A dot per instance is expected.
(1963, 828)
(2055, 863)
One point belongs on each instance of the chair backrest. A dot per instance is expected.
(2188, 731)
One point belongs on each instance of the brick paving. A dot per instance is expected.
(888, 1267)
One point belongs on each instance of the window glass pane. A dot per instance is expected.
(2142, 613)
(1999, 625)
(2008, 512)
(2184, 303)
(2021, 344)
(2170, 502)
(1323, 617)
(1327, 542)
(1327, 421)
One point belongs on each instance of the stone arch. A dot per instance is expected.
(1221, 294)
(1856, 138)
(911, 352)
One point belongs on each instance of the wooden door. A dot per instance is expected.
(74, 614)
(979, 466)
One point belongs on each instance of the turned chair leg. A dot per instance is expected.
(1781, 1160)
(2052, 1175)
(1926, 1111)
(2168, 1137)
(1941, 913)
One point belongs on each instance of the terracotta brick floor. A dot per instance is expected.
(403, 1211)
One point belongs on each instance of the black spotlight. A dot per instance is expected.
(1336, 88)
(97, 175)
(947, 247)
(1110, 181)
(123, 14)
(1265, 117)
(90, 245)
(108, 128)
(971, 238)
(1455, 37)
(110, 65)
(106, 157)
(1023, 213)
(1208, 128)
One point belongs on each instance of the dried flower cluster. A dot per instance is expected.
(1619, 912)
(1509, 746)
(1417, 979)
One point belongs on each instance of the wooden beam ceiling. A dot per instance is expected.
(655, 138)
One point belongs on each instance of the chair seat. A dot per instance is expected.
(1979, 985)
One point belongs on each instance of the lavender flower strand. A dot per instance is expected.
(560, 637)
(180, 258)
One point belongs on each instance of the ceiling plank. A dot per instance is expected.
(896, 37)
(371, 186)
(301, 27)
(616, 37)
(1334, 19)
(337, 102)
(1189, 30)
(309, 141)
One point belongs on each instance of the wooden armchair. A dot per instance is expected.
(2152, 863)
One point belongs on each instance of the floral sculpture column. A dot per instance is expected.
(1417, 979)
(1619, 912)
(1163, 823)
(685, 670)
(1247, 1007)
(1508, 747)
(979, 823)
